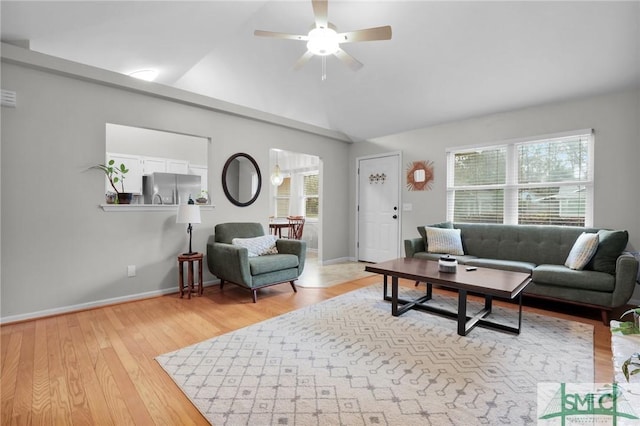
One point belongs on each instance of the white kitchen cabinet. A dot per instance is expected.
(153, 165)
(133, 178)
(177, 166)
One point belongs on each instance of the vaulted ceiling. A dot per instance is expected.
(446, 60)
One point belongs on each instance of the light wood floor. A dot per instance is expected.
(97, 367)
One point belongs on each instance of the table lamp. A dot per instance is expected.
(188, 213)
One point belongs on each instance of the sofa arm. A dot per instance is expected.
(413, 246)
(626, 275)
(229, 262)
(296, 247)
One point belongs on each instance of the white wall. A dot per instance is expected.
(153, 143)
(60, 250)
(615, 119)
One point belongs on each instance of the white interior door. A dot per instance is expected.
(378, 208)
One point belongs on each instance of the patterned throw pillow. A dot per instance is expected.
(258, 246)
(582, 251)
(446, 241)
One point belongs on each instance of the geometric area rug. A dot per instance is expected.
(348, 361)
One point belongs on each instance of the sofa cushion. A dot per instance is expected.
(610, 246)
(582, 251)
(277, 262)
(562, 276)
(445, 241)
(506, 265)
(539, 244)
(257, 246)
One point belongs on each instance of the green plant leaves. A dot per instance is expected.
(110, 170)
(630, 362)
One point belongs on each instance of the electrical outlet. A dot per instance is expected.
(131, 271)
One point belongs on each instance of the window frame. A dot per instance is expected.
(304, 197)
(278, 197)
(297, 198)
(511, 186)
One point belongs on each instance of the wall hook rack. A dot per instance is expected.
(378, 177)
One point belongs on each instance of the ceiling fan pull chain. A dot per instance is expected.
(324, 68)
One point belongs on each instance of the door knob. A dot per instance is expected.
(395, 216)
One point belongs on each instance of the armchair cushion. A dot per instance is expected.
(264, 264)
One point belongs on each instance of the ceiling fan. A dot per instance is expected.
(323, 39)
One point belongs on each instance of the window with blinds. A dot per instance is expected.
(541, 181)
(283, 197)
(310, 196)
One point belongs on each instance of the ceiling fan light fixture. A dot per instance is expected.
(323, 41)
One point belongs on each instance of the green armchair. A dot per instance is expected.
(232, 263)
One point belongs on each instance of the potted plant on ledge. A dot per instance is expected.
(116, 174)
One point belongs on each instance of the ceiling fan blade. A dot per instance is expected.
(303, 60)
(320, 11)
(272, 34)
(369, 34)
(349, 60)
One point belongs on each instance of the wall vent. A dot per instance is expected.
(8, 98)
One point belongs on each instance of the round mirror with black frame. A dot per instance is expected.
(241, 179)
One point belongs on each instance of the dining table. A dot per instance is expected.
(276, 227)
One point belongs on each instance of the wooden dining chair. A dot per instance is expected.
(296, 225)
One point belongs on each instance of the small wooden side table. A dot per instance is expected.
(190, 287)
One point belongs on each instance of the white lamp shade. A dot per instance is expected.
(188, 213)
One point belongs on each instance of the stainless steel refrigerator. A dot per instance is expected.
(170, 188)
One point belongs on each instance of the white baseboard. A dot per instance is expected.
(94, 304)
(338, 260)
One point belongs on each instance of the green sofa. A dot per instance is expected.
(232, 263)
(607, 282)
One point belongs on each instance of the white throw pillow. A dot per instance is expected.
(258, 246)
(582, 251)
(442, 240)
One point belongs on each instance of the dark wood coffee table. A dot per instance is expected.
(486, 282)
